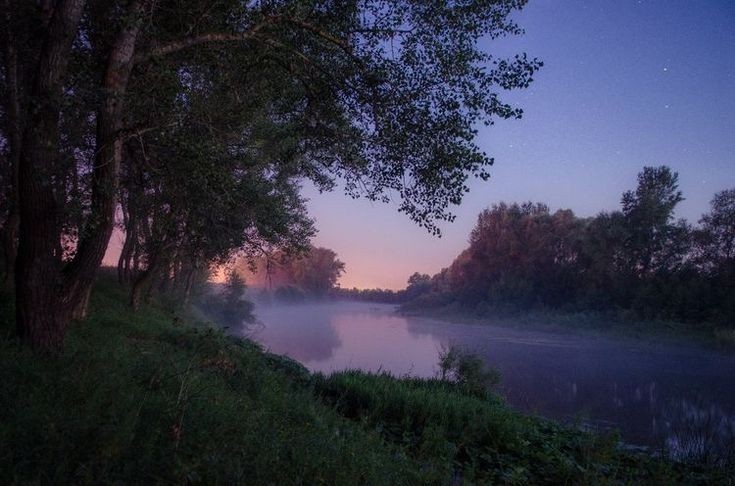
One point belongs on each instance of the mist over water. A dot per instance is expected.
(652, 393)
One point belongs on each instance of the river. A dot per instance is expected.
(651, 393)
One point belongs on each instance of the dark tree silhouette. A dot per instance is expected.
(389, 94)
(638, 260)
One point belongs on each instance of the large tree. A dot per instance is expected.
(638, 260)
(519, 254)
(314, 271)
(717, 234)
(649, 213)
(390, 93)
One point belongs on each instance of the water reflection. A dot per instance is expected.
(698, 431)
(329, 337)
(600, 382)
(304, 332)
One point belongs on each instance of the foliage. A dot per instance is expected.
(151, 397)
(717, 234)
(316, 272)
(292, 275)
(229, 308)
(289, 294)
(648, 212)
(467, 370)
(202, 119)
(418, 284)
(384, 296)
(453, 436)
(637, 262)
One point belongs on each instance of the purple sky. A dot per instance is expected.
(625, 84)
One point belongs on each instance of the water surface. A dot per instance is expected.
(649, 392)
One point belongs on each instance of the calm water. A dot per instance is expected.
(649, 392)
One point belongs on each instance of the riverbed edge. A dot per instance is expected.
(162, 396)
(659, 331)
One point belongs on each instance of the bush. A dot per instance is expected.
(229, 307)
(467, 370)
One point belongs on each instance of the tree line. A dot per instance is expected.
(637, 260)
(289, 276)
(417, 285)
(191, 125)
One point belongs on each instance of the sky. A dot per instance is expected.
(625, 84)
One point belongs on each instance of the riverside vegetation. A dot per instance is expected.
(161, 396)
(635, 271)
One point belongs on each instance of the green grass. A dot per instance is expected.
(137, 399)
(146, 398)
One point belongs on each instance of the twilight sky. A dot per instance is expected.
(626, 83)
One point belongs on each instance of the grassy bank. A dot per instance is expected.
(157, 397)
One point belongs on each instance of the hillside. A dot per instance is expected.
(159, 397)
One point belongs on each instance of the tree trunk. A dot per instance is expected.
(47, 295)
(14, 134)
(126, 253)
(45, 331)
(189, 285)
(140, 285)
(108, 157)
(42, 308)
(82, 308)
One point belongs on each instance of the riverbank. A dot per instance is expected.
(158, 396)
(588, 323)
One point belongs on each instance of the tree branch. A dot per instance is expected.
(208, 38)
(212, 37)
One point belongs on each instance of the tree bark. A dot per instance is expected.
(124, 274)
(106, 172)
(47, 293)
(14, 134)
(42, 312)
(82, 308)
(189, 285)
(142, 282)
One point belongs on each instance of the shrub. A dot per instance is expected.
(467, 370)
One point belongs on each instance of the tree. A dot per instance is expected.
(389, 93)
(316, 272)
(235, 309)
(176, 227)
(46, 297)
(227, 305)
(715, 243)
(638, 260)
(717, 234)
(418, 284)
(311, 272)
(518, 255)
(648, 213)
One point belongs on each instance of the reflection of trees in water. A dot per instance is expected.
(418, 328)
(304, 333)
(590, 383)
(698, 431)
(607, 385)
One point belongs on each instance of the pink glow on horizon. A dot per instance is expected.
(361, 273)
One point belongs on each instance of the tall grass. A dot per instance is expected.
(453, 435)
(156, 398)
(140, 399)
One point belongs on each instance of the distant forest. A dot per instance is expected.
(637, 261)
(291, 276)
